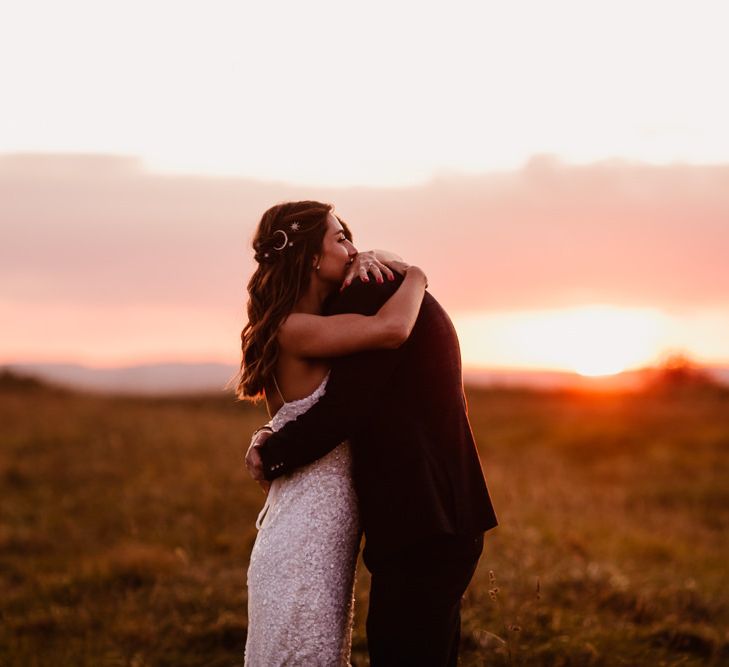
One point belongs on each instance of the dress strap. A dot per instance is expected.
(277, 387)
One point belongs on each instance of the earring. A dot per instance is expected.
(318, 266)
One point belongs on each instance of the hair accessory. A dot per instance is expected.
(285, 239)
(275, 242)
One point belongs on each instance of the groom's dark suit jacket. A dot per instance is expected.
(416, 469)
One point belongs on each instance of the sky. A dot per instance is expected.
(560, 169)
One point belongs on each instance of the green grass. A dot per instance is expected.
(126, 525)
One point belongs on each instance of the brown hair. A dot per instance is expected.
(287, 238)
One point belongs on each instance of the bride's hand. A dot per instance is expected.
(364, 263)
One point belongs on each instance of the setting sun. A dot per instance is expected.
(590, 340)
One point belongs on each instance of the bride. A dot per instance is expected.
(302, 566)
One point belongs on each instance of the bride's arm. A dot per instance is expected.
(306, 335)
(354, 387)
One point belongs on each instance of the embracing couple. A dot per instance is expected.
(361, 371)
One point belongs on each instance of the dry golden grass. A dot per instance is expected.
(126, 526)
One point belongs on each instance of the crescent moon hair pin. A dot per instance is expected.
(285, 239)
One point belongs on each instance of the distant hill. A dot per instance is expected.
(181, 378)
(171, 378)
(626, 381)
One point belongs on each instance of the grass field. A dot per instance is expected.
(126, 526)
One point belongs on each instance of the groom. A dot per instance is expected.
(424, 505)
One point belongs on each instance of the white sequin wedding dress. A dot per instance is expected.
(302, 566)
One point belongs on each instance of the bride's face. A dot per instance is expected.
(336, 252)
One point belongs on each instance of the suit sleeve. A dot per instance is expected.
(350, 394)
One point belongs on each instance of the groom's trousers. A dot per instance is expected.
(414, 615)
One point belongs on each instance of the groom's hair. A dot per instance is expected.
(286, 240)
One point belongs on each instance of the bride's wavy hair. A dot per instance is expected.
(287, 238)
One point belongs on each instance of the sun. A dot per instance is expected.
(592, 340)
(595, 339)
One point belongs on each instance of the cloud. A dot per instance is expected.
(93, 230)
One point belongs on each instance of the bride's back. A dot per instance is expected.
(295, 378)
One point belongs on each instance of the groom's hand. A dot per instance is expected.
(253, 459)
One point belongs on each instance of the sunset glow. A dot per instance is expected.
(590, 340)
(560, 170)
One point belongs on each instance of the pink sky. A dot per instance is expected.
(103, 262)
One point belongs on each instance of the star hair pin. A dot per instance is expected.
(295, 226)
